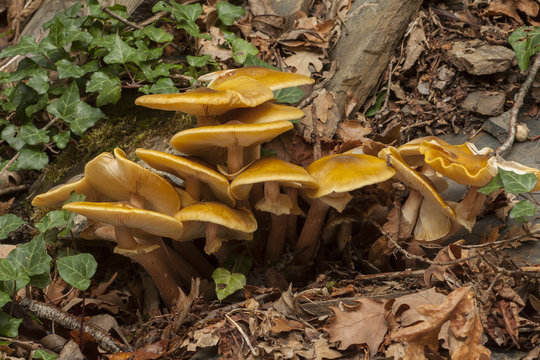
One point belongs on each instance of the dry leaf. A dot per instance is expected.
(404, 307)
(415, 46)
(362, 324)
(465, 341)
(302, 59)
(436, 272)
(348, 130)
(510, 8)
(282, 324)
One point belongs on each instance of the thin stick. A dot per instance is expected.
(507, 145)
(49, 312)
(390, 275)
(119, 18)
(12, 189)
(244, 336)
(150, 20)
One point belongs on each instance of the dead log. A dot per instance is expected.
(370, 33)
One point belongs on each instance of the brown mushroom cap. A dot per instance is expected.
(271, 169)
(273, 79)
(204, 140)
(220, 214)
(119, 178)
(184, 167)
(239, 92)
(119, 214)
(55, 197)
(263, 113)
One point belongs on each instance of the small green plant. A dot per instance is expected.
(526, 42)
(232, 276)
(29, 263)
(514, 183)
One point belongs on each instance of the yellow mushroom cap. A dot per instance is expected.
(266, 112)
(119, 178)
(55, 197)
(202, 141)
(273, 79)
(241, 92)
(457, 162)
(271, 169)
(416, 181)
(184, 167)
(345, 172)
(118, 214)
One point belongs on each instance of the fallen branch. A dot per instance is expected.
(12, 189)
(50, 312)
(121, 19)
(518, 103)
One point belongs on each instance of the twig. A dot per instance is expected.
(499, 242)
(69, 321)
(517, 105)
(150, 20)
(12, 189)
(390, 275)
(419, 124)
(385, 105)
(119, 18)
(244, 336)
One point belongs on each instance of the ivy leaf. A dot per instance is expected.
(77, 270)
(227, 283)
(53, 219)
(39, 81)
(9, 223)
(198, 61)
(120, 53)
(289, 95)
(4, 298)
(31, 158)
(11, 272)
(228, 12)
(185, 15)
(32, 135)
(39, 105)
(523, 210)
(40, 281)
(526, 42)
(61, 139)
(63, 107)
(26, 68)
(163, 86)
(494, 185)
(252, 60)
(150, 73)
(66, 69)
(9, 326)
(42, 354)
(515, 183)
(108, 87)
(155, 34)
(241, 49)
(378, 103)
(9, 135)
(32, 257)
(26, 45)
(85, 117)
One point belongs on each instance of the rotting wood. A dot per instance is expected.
(370, 32)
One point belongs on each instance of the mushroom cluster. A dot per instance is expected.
(228, 188)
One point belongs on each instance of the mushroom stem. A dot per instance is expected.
(276, 239)
(124, 238)
(205, 120)
(344, 235)
(253, 153)
(272, 192)
(307, 242)
(235, 158)
(193, 187)
(192, 254)
(292, 219)
(136, 200)
(213, 242)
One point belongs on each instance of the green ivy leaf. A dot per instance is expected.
(120, 53)
(9, 223)
(61, 139)
(494, 185)
(228, 12)
(32, 257)
(31, 158)
(26, 68)
(108, 87)
(198, 61)
(42, 354)
(4, 298)
(39, 81)
(85, 117)
(523, 210)
(9, 135)
(252, 60)
(149, 73)
(163, 86)
(26, 45)
(155, 34)
(378, 103)
(241, 49)
(66, 69)
(526, 42)
(77, 270)
(11, 272)
(289, 95)
(32, 135)
(53, 219)
(9, 326)
(515, 183)
(39, 105)
(63, 107)
(185, 15)
(227, 283)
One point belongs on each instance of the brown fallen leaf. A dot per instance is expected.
(362, 324)
(415, 45)
(510, 8)
(349, 130)
(302, 59)
(465, 341)
(282, 324)
(404, 307)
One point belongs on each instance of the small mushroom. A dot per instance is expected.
(192, 171)
(217, 222)
(336, 175)
(235, 137)
(206, 103)
(149, 251)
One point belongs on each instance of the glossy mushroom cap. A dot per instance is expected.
(55, 197)
(119, 214)
(184, 168)
(338, 174)
(273, 79)
(263, 113)
(239, 92)
(120, 179)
